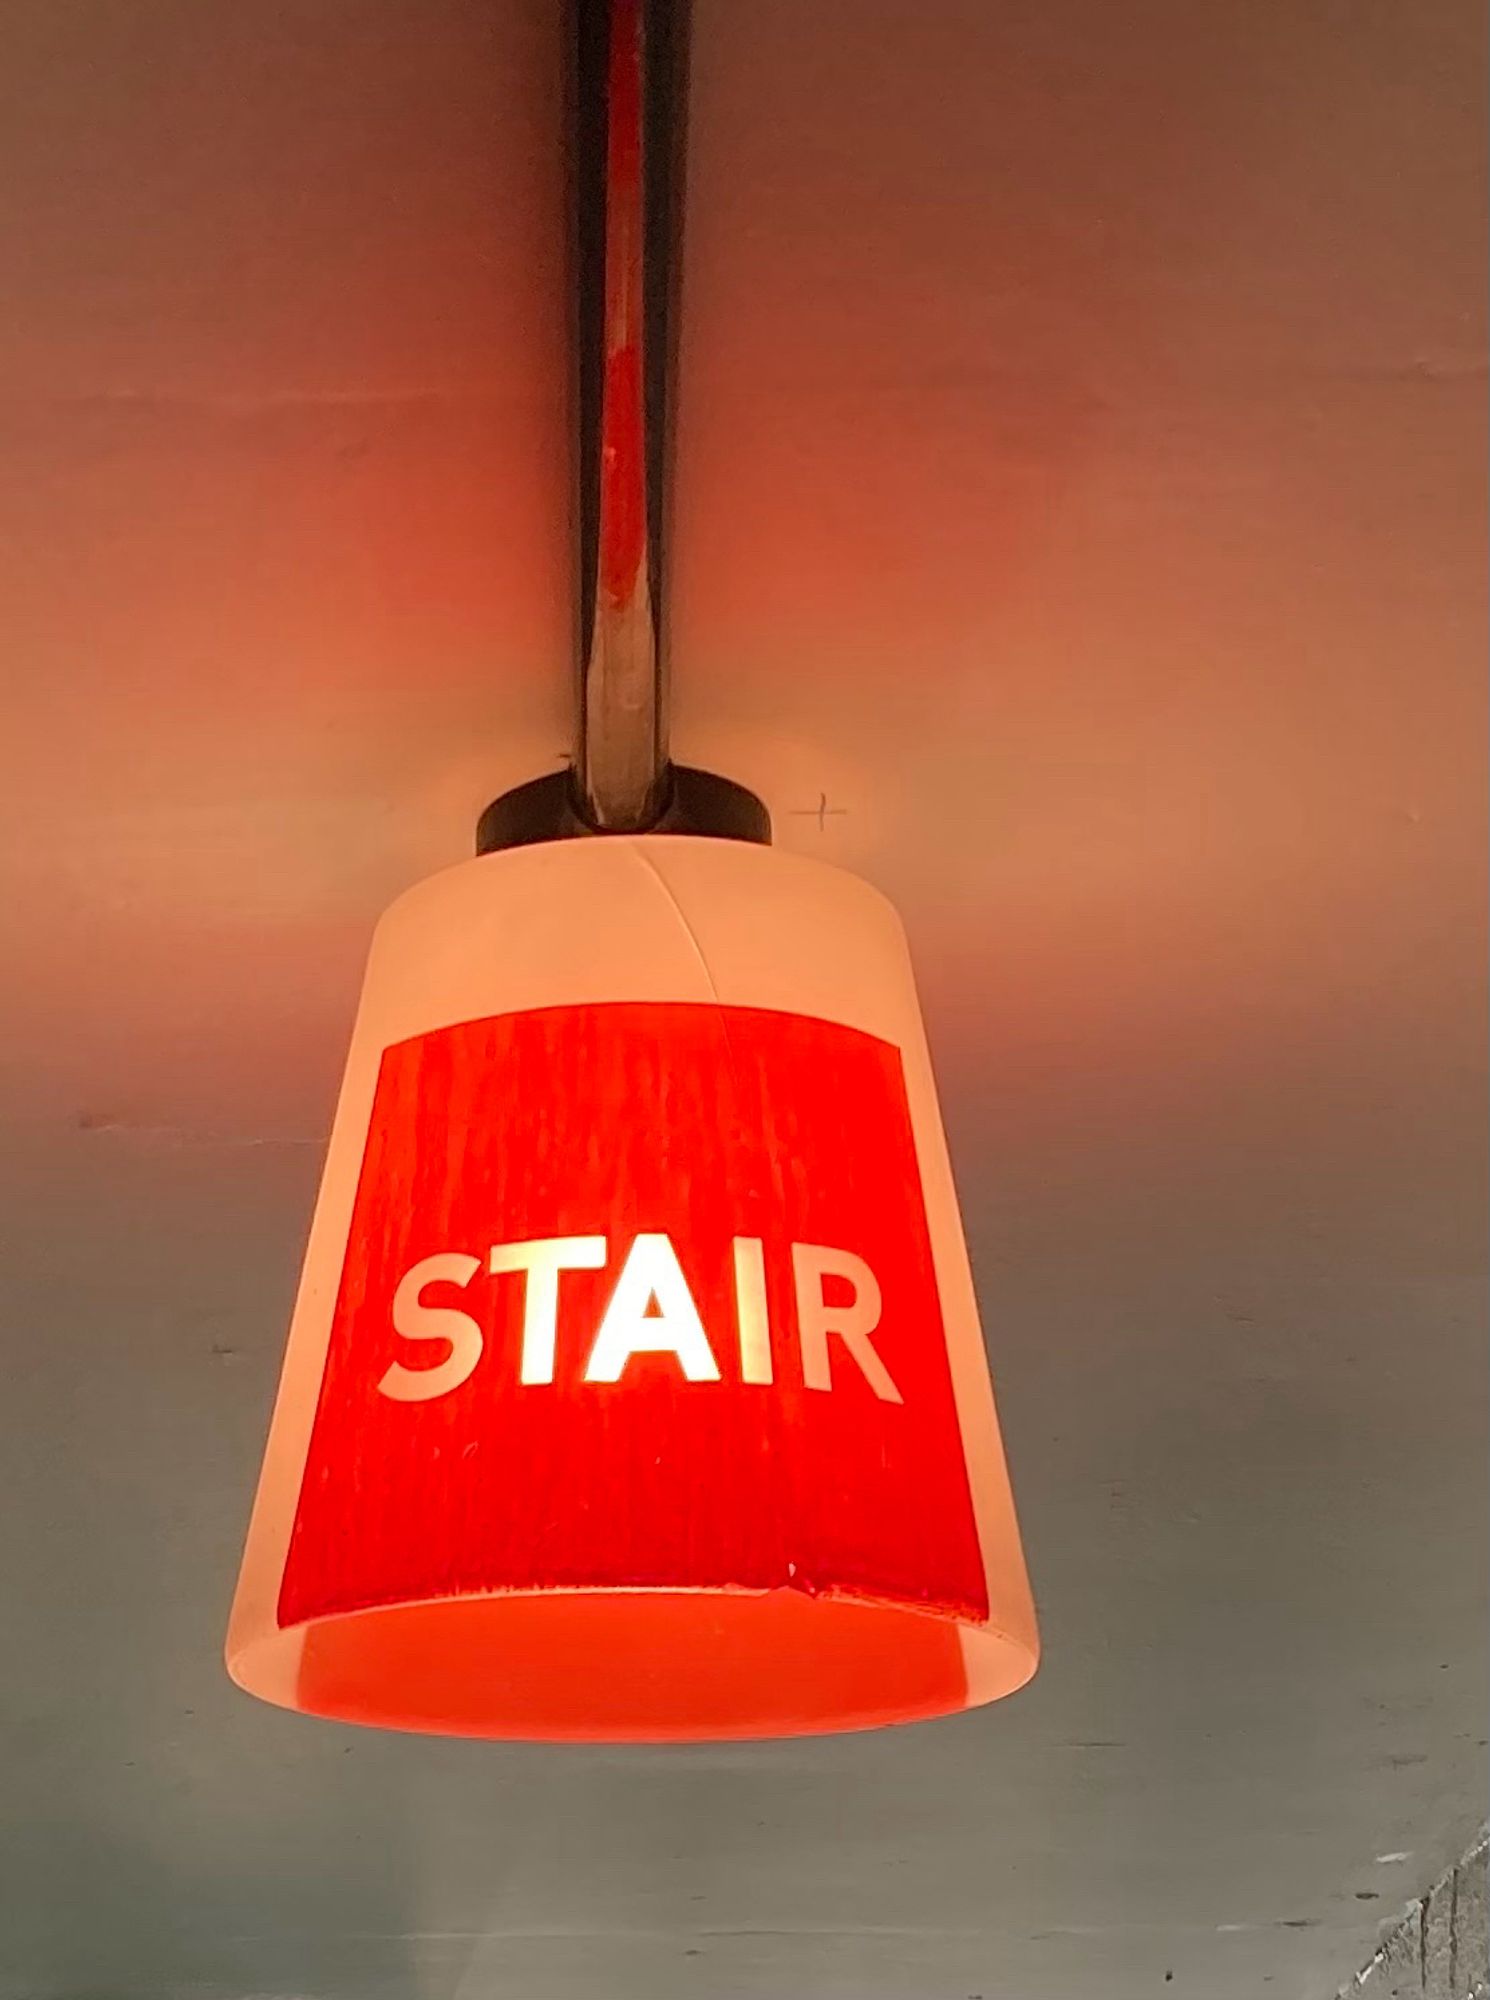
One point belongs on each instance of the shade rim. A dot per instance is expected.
(640, 1665)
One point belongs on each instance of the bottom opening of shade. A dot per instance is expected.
(640, 1666)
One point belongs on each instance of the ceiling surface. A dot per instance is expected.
(1079, 533)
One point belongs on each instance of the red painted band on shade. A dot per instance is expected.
(707, 1124)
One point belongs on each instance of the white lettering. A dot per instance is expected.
(853, 1323)
(543, 1259)
(750, 1309)
(651, 1310)
(420, 1322)
(651, 1273)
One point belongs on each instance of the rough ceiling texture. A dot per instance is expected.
(1079, 489)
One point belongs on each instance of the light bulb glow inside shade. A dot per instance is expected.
(635, 1386)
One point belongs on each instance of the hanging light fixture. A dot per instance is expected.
(635, 1386)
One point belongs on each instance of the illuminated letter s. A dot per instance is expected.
(420, 1322)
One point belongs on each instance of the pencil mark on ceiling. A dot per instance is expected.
(822, 812)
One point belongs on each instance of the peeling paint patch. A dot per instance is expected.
(1440, 1947)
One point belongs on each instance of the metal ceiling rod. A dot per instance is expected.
(629, 127)
(627, 154)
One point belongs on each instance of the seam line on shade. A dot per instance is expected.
(665, 886)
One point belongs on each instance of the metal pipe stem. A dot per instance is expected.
(628, 159)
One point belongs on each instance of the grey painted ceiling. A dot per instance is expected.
(1080, 486)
